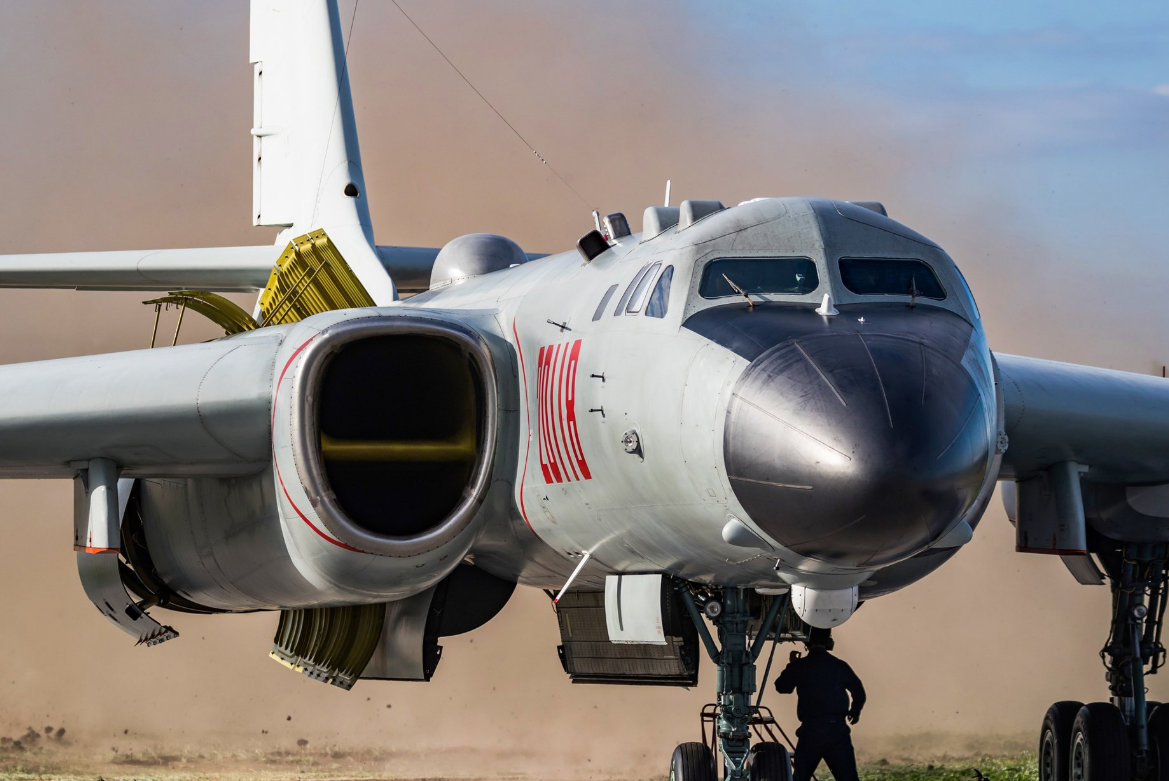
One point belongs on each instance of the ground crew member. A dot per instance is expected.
(823, 684)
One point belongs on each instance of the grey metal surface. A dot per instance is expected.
(657, 219)
(1115, 423)
(220, 269)
(194, 409)
(1132, 513)
(399, 653)
(873, 206)
(474, 255)
(96, 501)
(409, 267)
(219, 542)
(1049, 512)
(691, 212)
(616, 226)
(1084, 570)
(103, 585)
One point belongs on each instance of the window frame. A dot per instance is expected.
(624, 300)
(666, 276)
(605, 299)
(820, 278)
(938, 278)
(640, 293)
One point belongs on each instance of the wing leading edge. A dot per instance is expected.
(1116, 424)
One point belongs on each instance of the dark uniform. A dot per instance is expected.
(824, 684)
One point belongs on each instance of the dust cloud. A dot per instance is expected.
(125, 126)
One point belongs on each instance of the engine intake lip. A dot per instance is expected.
(304, 423)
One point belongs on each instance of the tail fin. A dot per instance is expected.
(306, 162)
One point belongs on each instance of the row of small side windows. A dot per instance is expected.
(635, 295)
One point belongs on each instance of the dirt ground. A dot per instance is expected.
(47, 753)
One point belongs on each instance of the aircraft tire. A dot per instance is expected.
(693, 762)
(770, 762)
(1100, 749)
(1159, 741)
(1055, 741)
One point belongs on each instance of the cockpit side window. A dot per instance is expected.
(642, 290)
(620, 308)
(604, 303)
(659, 300)
(758, 276)
(891, 277)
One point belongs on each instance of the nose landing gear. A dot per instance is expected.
(734, 719)
(1126, 739)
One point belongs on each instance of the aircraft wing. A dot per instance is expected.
(217, 269)
(1114, 423)
(176, 411)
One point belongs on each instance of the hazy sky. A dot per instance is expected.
(1029, 139)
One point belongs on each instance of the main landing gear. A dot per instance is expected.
(734, 719)
(1126, 739)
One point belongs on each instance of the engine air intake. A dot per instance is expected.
(393, 431)
(399, 431)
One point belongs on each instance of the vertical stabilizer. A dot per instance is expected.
(306, 163)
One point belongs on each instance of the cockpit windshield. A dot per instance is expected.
(726, 277)
(890, 277)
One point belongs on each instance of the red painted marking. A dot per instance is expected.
(561, 425)
(546, 413)
(87, 549)
(544, 461)
(528, 413)
(276, 462)
(560, 445)
(540, 436)
(571, 408)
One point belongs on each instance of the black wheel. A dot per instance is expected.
(693, 762)
(1159, 742)
(1099, 744)
(770, 762)
(1055, 741)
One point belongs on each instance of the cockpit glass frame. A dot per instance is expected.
(968, 294)
(637, 299)
(906, 277)
(759, 276)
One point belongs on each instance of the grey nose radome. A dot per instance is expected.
(856, 449)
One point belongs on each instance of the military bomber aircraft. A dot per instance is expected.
(752, 418)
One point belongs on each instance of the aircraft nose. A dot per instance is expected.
(856, 449)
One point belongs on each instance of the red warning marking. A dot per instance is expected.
(562, 458)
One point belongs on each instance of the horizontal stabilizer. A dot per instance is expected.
(216, 269)
(219, 269)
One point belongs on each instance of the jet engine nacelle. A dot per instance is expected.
(383, 440)
(383, 434)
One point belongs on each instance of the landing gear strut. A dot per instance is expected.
(1127, 738)
(734, 711)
